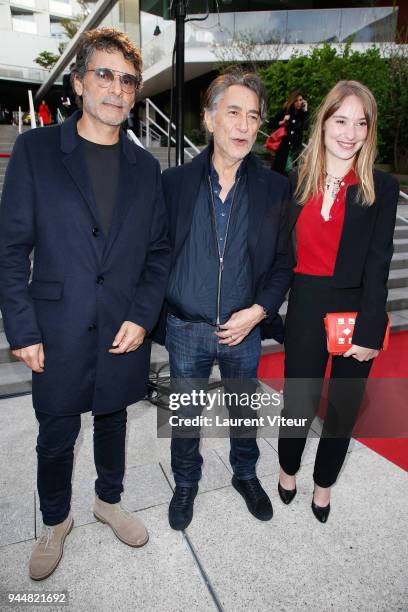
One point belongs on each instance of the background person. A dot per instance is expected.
(342, 220)
(293, 116)
(44, 113)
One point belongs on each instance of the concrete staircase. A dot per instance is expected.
(16, 378)
(160, 153)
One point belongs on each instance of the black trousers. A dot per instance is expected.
(306, 360)
(55, 453)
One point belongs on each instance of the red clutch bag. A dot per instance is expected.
(339, 331)
(274, 140)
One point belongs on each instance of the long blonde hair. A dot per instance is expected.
(312, 162)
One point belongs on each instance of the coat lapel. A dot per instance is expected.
(75, 163)
(355, 220)
(258, 197)
(129, 189)
(190, 187)
(294, 212)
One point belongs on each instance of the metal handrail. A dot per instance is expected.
(132, 136)
(149, 120)
(153, 132)
(172, 139)
(400, 217)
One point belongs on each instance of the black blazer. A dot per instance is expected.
(365, 252)
(268, 194)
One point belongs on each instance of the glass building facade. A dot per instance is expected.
(362, 24)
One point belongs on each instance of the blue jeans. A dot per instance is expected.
(193, 348)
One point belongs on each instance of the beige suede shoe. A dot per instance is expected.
(126, 526)
(48, 550)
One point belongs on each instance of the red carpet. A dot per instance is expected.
(393, 363)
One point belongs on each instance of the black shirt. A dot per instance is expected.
(103, 166)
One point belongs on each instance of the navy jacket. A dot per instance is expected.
(83, 285)
(268, 194)
(192, 293)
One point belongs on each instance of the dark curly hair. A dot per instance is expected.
(104, 39)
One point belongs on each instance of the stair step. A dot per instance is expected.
(398, 278)
(401, 245)
(399, 320)
(399, 260)
(401, 231)
(15, 377)
(397, 299)
(5, 353)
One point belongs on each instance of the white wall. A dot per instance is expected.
(17, 49)
(5, 17)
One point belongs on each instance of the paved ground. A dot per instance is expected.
(226, 560)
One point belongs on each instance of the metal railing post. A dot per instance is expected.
(132, 136)
(147, 123)
(32, 111)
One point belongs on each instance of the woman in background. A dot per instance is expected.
(293, 116)
(342, 221)
(44, 113)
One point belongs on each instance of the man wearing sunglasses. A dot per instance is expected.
(97, 223)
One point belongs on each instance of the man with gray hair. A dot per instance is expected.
(230, 273)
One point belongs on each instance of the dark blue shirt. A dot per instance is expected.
(223, 209)
(192, 292)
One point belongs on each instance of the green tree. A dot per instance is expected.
(72, 25)
(315, 73)
(46, 59)
(396, 114)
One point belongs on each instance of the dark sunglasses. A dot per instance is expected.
(104, 77)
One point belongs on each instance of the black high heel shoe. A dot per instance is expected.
(286, 495)
(321, 513)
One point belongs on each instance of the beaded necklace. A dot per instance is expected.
(332, 184)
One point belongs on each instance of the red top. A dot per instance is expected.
(318, 240)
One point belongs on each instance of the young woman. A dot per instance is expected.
(342, 222)
(294, 117)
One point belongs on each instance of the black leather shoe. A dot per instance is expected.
(286, 495)
(181, 506)
(322, 514)
(257, 501)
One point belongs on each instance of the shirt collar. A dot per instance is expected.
(351, 178)
(242, 169)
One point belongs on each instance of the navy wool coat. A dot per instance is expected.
(84, 285)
